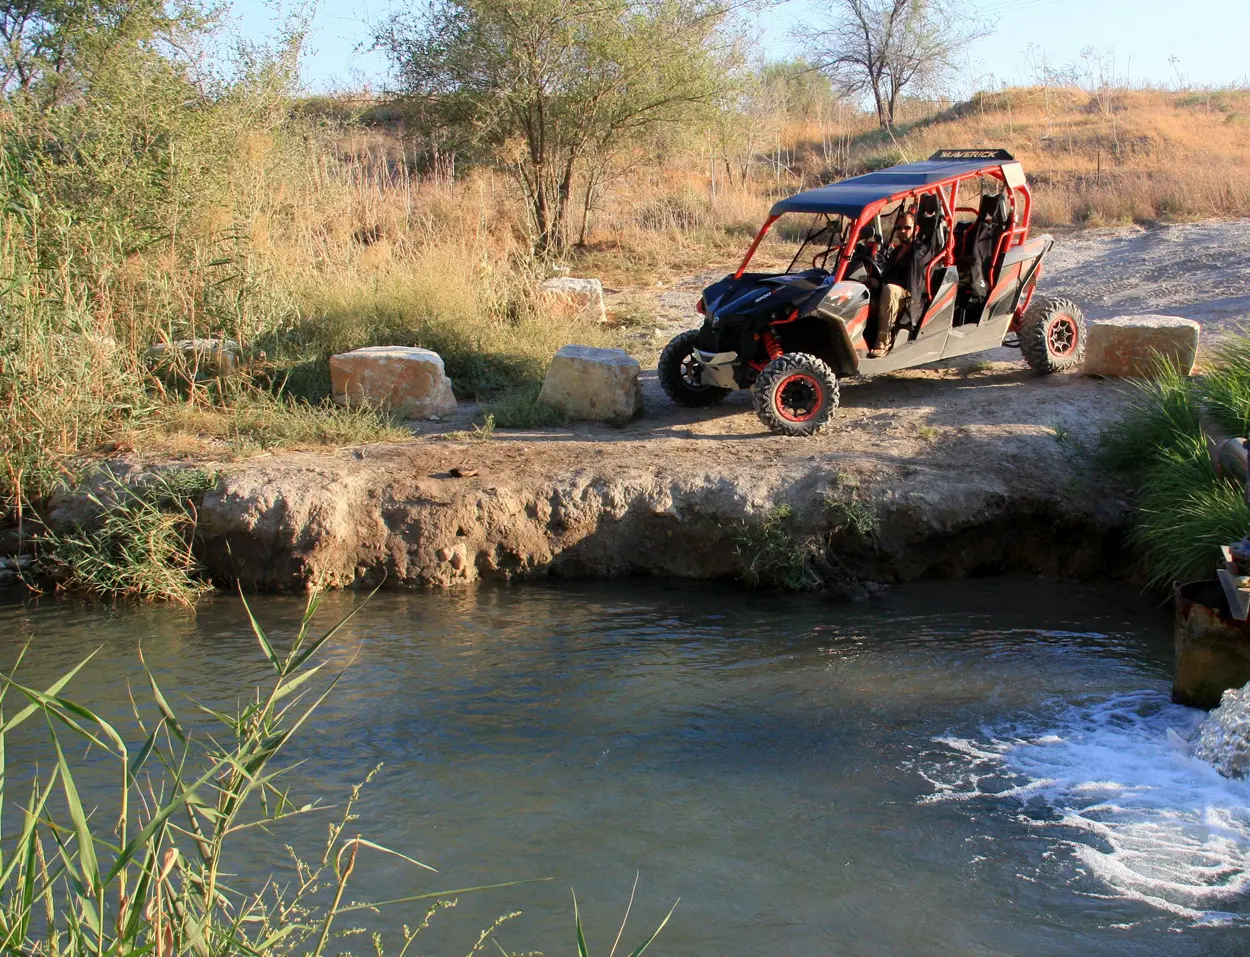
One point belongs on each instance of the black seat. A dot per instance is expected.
(975, 245)
(929, 241)
(978, 242)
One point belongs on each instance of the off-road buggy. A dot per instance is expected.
(970, 280)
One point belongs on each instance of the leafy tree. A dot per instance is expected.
(548, 84)
(885, 47)
(53, 49)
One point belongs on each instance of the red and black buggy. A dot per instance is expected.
(970, 278)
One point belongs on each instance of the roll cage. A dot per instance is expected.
(862, 198)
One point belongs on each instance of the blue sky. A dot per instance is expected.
(1207, 38)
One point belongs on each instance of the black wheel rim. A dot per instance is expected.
(690, 373)
(1061, 336)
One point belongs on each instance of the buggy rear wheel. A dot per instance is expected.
(678, 371)
(796, 394)
(1052, 335)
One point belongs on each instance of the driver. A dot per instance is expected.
(894, 297)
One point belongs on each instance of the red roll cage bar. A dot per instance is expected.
(1015, 234)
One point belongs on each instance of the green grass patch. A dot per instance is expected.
(139, 546)
(777, 551)
(519, 408)
(1185, 509)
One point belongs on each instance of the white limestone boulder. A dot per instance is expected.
(1131, 346)
(407, 380)
(570, 296)
(213, 357)
(597, 384)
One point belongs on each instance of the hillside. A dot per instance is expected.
(1106, 157)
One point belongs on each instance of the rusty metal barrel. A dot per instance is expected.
(1212, 647)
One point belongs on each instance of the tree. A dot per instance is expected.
(546, 84)
(50, 50)
(884, 47)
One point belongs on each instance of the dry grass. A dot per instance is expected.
(1115, 156)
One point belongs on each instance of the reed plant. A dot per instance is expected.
(163, 870)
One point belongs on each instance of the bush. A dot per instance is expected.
(140, 546)
(1185, 510)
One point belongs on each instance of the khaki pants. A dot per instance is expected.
(890, 306)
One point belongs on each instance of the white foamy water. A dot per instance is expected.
(1223, 739)
(1116, 783)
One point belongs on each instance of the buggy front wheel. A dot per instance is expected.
(679, 373)
(796, 394)
(1052, 335)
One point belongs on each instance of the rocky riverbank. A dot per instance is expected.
(974, 468)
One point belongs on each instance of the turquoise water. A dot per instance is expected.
(985, 767)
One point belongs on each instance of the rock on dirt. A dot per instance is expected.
(405, 379)
(214, 357)
(1133, 346)
(593, 384)
(575, 296)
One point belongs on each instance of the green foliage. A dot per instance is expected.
(1225, 393)
(1185, 510)
(850, 515)
(253, 421)
(777, 551)
(1162, 414)
(140, 544)
(159, 877)
(785, 549)
(520, 409)
(1185, 513)
(550, 84)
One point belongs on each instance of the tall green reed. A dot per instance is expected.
(160, 874)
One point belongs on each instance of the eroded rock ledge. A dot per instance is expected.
(964, 473)
(318, 518)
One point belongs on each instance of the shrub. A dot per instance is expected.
(1185, 509)
(140, 546)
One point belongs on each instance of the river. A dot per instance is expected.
(981, 767)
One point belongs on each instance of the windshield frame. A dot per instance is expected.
(831, 226)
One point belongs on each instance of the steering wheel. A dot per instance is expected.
(864, 256)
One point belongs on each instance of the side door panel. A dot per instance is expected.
(941, 312)
(1017, 275)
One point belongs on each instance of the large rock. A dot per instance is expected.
(588, 383)
(1131, 346)
(575, 296)
(407, 380)
(213, 357)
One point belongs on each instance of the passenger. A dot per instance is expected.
(894, 281)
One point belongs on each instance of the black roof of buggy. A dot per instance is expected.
(850, 196)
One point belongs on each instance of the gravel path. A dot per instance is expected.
(1197, 270)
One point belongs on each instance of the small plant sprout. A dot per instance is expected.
(584, 951)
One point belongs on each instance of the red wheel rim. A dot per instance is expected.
(1062, 336)
(799, 397)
